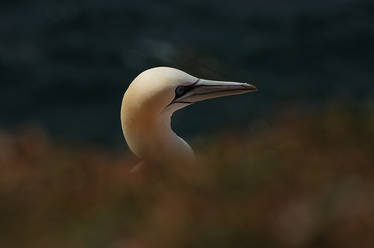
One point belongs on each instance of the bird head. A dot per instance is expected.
(165, 89)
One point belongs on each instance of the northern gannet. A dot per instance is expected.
(150, 101)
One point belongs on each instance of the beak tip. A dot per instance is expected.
(250, 87)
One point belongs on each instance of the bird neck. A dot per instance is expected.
(151, 137)
(168, 145)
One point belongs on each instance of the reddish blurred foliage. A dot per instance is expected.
(306, 180)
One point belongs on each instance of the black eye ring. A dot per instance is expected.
(179, 91)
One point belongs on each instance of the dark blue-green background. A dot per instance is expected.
(64, 65)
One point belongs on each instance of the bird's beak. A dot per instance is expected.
(204, 89)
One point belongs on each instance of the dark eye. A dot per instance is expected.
(179, 91)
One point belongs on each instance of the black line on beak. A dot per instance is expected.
(187, 89)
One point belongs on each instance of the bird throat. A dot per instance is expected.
(153, 140)
(169, 146)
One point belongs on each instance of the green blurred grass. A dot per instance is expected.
(306, 180)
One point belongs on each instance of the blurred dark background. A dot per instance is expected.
(64, 65)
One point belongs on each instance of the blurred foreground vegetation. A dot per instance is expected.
(306, 180)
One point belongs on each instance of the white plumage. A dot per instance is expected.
(149, 103)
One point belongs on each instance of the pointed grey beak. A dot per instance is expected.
(206, 89)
